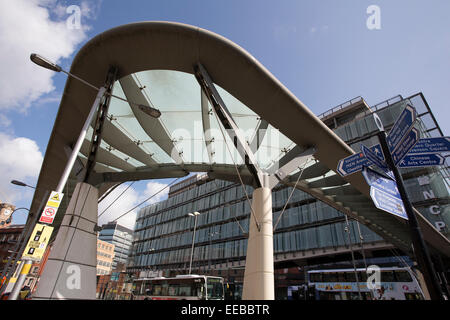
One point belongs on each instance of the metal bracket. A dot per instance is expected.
(102, 114)
(297, 162)
(220, 109)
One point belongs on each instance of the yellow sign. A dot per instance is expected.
(49, 212)
(38, 241)
(55, 199)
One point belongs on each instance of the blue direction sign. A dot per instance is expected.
(421, 160)
(386, 202)
(374, 159)
(356, 162)
(432, 145)
(401, 127)
(406, 145)
(372, 156)
(384, 193)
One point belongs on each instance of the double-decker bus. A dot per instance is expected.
(181, 287)
(340, 284)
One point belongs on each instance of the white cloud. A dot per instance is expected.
(20, 160)
(128, 200)
(151, 189)
(28, 26)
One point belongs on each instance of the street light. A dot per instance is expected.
(22, 184)
(47, 64)
(194, 214)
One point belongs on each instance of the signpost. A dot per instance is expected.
(356, 162)
(403, 147)
(421, 160)
(374, 158)
(432, 145)
(420, 249)
(384, 193)
(401, 127)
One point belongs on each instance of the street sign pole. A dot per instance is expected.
(420, 249)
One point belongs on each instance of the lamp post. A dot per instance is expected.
(194, 214)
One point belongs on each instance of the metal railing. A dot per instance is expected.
(341, 106)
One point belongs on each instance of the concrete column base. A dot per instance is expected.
(258, 276)
(70, 272)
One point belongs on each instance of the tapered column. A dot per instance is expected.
(258, 276)
(70, 272)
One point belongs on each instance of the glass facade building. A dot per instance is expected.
(121, 238)
(309, 231)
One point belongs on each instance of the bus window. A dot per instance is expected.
(387, 276)
(330, 277)
(349, 276)
(403, 276)
(156, 290)
(341, 277)
(164, 289)
(315, 277)
(214, 288)
(197, 290)
(172, 290)
(184, 289)
(362, 276)
(146, 287)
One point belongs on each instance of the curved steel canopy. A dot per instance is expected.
(152, 46)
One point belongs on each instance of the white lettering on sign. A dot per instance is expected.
(428, 194)
(435, 210)
(440, 225)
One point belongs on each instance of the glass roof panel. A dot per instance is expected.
(245, 118)
(178, 96)
(273, 146)
(117, 107)
(170, 90)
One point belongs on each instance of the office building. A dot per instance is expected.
(105, 257)
(120, 237)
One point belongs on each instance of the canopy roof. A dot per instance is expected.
(155, 63)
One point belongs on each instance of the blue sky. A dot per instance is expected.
(321, 50)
